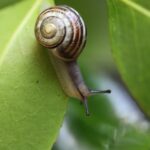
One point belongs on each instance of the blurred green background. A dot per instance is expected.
(115, 118)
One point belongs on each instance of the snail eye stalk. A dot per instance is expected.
(85, 102)
(93, 92)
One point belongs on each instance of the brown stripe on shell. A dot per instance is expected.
(79, 47)
(76, 34)
(79, 40)
(83, 32)
(63, 48)
(74, 48)
(73, 18)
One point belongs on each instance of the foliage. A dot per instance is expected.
(129, 25)
(32, 101)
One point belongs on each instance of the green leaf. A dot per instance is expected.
(32, 103)
(129, 26)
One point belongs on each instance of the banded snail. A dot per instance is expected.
(63, 32)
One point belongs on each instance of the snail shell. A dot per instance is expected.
(61, 29)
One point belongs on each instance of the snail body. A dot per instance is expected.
(70, 78)
(63, 32)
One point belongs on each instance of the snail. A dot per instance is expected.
(62, 31)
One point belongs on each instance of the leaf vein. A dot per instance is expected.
(137, 7)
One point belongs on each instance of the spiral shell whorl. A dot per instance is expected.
(61, 28)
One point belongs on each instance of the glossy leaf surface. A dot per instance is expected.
(32, 103)
(129, 26)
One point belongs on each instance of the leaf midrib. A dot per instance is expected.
(137, 7)
(18, 30)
